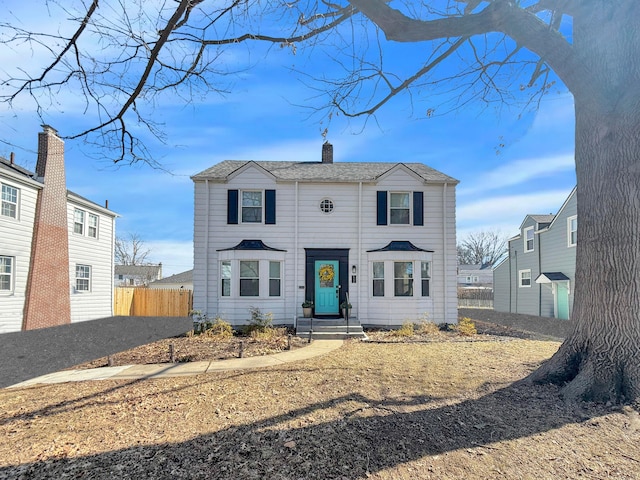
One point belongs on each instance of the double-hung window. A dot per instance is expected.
(9, 207)
(524, 278)
(78, 221)
(403, 279)
(399, 208)
(425, 275)
(92, 231)
(225, 269)
(378, 279)
(528, 239)
(83, 278)
(572, 231)
(274, 279)
(6, 273)
(251, 206)
(249, 278)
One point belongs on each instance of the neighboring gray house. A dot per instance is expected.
(475, 276)
(537, 278)
(182, 280)
(273, 234)
(136, 275)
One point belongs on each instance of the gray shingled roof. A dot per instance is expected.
(323, 172)
(543, 218)
(144, 270)
(183, 277)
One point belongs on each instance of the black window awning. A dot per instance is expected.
(400, 246)
(252, 245)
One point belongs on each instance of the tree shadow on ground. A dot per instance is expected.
(314, 443)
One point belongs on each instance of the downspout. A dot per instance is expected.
(517, 280)
(206, 253)
(296, 299)
(538, 273)
(510, 282)
(359, 269)
(445, 252)
(113, 257)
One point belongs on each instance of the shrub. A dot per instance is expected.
(406, 330)
(426, 328)
(218, 328)
(466, 327)
(259, 321)
(447, 327)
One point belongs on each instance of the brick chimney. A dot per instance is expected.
(47, 302)
(327, 153)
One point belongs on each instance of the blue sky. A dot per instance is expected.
(262, 118)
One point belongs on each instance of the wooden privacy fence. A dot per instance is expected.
(147, 302)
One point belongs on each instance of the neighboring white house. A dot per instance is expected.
(56, 247)
(182, 280)
(475, 276)
(271, 234)
(537, 277)
(136, 275)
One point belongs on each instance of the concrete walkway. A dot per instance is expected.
(162, 370)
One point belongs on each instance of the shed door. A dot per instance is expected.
(326, 287)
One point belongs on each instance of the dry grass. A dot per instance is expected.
(439, 410)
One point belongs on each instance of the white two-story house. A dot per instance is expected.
(272, 234)
(537, 277)
(56, 247)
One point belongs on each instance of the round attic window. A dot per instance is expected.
(326, 205)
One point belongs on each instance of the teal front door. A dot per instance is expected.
(326, 287)
(562, 300)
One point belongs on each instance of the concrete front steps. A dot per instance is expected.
(329, 329)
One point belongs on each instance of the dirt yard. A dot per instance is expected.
(429, 409)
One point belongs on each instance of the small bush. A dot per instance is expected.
(426, 328)
(218, 328)
(406, 330)
(466, 327)
(447, 327)
(259, 321)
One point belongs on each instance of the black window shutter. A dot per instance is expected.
(270, 207)
(382, 207)
(232, 207)
(418, 208)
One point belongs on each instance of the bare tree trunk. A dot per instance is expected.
(601, 359)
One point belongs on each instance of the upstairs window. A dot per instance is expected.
(93, 226)
(399, 208)
(528, 239)
(572, 231)
(6, 273)
(251, 207)
(9, 206)
(78, 221)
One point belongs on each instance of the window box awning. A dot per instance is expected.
(252, 245)
(551, 277)
(400, 246)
